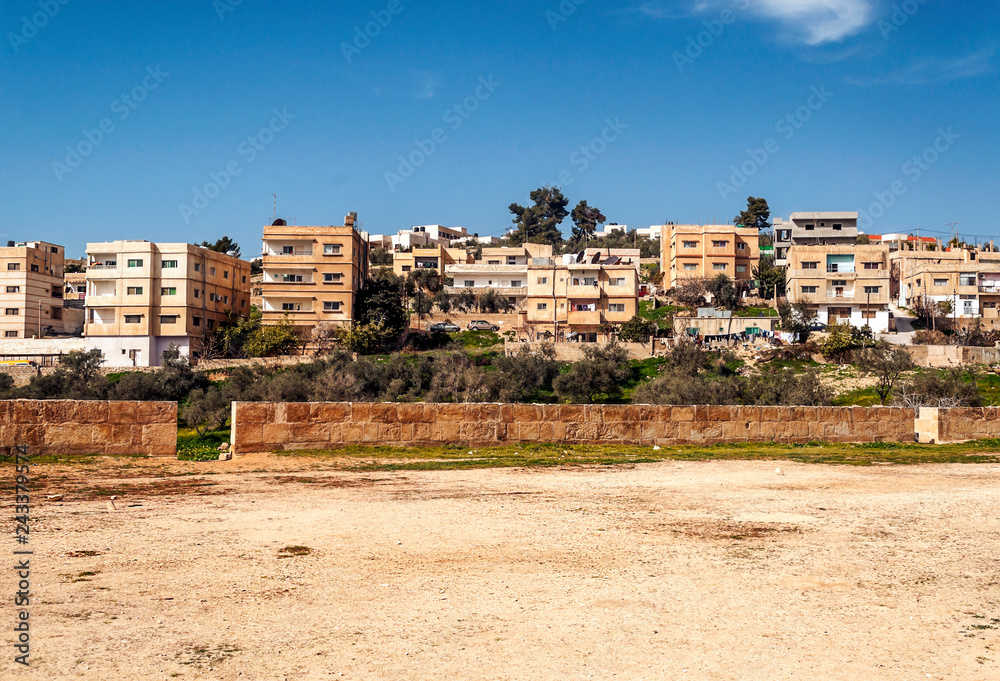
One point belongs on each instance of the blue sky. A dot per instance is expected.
(683, 109)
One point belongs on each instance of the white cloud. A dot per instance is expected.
(818, 21)
(814, 22)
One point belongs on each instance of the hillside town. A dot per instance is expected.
(132, 300)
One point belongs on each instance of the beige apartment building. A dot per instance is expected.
(571, 299)
(966, 280)
(504, 270)
(841, 284)
(435, 258)
(31, 290)
(706, 251)
(313, 274)
(143, 297)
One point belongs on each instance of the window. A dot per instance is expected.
(10, 334)
(620, 281)
(168, 319)
(720, 244)
(515, 283)
(197, 293)
(810, 265)
(34, 268)
(211, 272)
(543, 306)
(244, 279)
(873, 265)
(741, 268)
(867, 314)
(543, 280)
(329, 306)
(469, 283)
(212, 297)
(332, 278)
(290, 278)
(872, 289)
(197, 267)
(210, 324)
(492, 262)
(288, 307)
(133, 319)
(719, 266)
(168, 291)
(837, 227)
(288, 250)
(169, 264)
(196, 321)
(741, 247)
(54, 249)
(809, 289)
(967, 280)
(13, 266)
(940, 282)
(690, 244)
(810, 228)
(225, 300)
(616, 307)
(13, 289)
(135, 263)
(406, 268)
(331, 249)
(690, 267)
(13, 311)
(225, 274)
(840, 282)
(133, 291)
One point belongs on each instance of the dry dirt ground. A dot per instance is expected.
(714, 570)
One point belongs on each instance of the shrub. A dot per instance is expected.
(601, 371)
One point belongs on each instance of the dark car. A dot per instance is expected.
(483, 325)
(443, 327)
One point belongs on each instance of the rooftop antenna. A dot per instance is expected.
(274, 215)
(954, 229)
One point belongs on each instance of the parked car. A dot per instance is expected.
(483, 325)
(443, 327)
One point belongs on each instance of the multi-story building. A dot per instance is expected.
(654, 232)
(967, 281)
(435, 258)
(705, 251)
(143, 297)
(841, 284)
(813, 229)
(504, 270)
(313, 274)
(577, 299)
(427, 235)
(31, 289)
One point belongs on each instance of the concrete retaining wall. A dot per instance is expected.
(272, 427)
(71, 427)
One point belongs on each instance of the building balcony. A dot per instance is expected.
(502, 290)
(583, 291)
(584, 318)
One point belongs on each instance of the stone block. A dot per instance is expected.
(573, 413)
(449, 431)
(330, 412)
(156, 412)
(296, 412)
(450, 413)
(251, 412)
(56, 435)
(488, 412)
(383, 412)
(529, 431)
(276, 435)
(247, 437)
(410, 413)
(682, 414)
(57, 411)
(308, 432)
(618, 413)
(525, 413)
(159, 435)
(352, 433)
(388, 433)
(121, 413)
(26, 412)
(552, 412)
(361, 412)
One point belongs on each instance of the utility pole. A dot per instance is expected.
(274, 214)
(868, 308)
(39, 320)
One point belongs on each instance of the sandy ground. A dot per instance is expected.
(668, 571)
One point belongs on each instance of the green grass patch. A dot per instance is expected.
(387, 458)
(757, 312)
(477, 339)
(864, 397)
(191, 447)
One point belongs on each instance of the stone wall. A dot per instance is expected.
(260, 427)
(935, 426)
(72, 427)
(943, 356)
